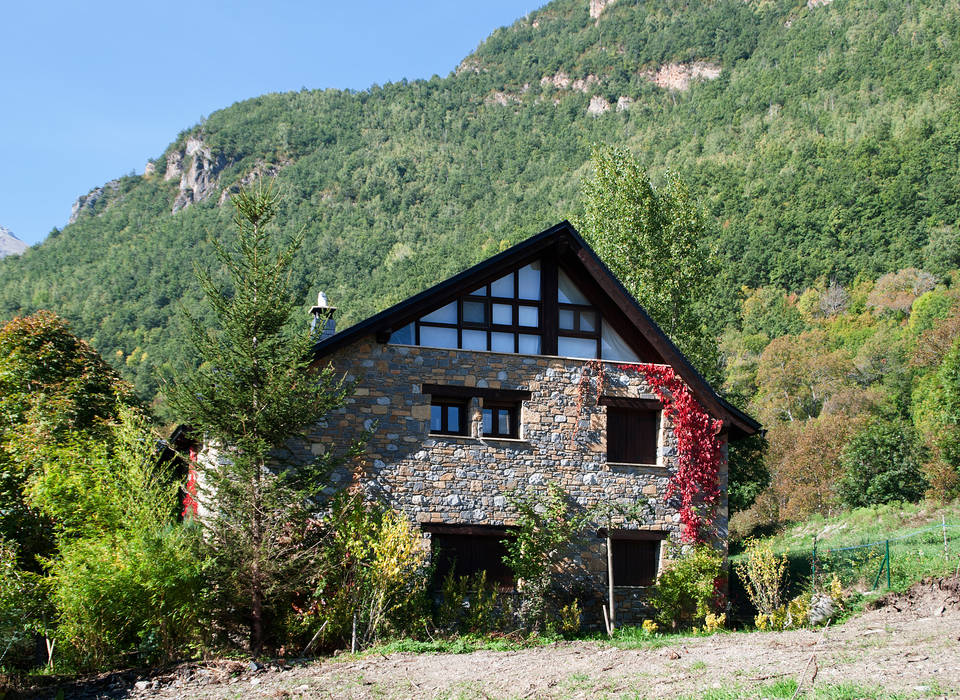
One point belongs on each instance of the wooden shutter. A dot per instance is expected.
(635, 562)
(632, 435)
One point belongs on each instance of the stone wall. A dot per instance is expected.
(465, 480)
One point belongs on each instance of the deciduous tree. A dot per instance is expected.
(655, 243)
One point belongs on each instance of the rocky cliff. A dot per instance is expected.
(10, 244)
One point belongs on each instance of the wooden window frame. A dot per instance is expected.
(636, 560)
(514, 407)
(446, 403)
(461, 536)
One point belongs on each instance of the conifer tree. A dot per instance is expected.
(253, 392)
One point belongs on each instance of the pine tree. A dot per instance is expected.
(252, 394)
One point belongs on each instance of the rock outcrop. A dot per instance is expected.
(598, 6)
(598, 105)
(86, 203)
(679, 76)
(10, 244)
(200, 178)
(562, 81)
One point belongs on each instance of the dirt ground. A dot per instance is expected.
(909, 644)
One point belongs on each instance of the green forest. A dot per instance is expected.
(827, 147)
(803, 163)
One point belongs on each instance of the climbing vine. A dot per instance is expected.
(696, 479)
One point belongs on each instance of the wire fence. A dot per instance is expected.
(887, 562)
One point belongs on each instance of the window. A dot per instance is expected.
(470, 554)
(501, 419)
(448, 417)
(578, 322)
(635, 561)
(632, 435)
(450, 412)
(535, 309)
(502, 316)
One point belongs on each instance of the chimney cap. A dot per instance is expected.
(323, 306)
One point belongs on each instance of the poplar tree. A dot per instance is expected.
(655, 242)
(252, 393)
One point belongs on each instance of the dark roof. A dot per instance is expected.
(565, 238)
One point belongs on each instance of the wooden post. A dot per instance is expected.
(353, 636)
(613, 610)
(946, 551)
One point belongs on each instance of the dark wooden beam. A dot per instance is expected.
(643, 535)
(467, 392)
(628, 402)
(487, 530)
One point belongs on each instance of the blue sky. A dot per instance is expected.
(91, 91)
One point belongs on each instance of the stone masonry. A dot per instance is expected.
(465, 480)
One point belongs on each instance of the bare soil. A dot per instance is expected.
(907, 644)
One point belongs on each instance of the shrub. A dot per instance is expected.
(764, 574)
(127, 580)
(689, 588)
(137, 596)
(882, 464)
(371, 568)
(547, 528)
(22, 608)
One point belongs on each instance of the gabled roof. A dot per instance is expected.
(571, 250)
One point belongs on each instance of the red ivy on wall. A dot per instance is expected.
(190, 502)
(696, 481)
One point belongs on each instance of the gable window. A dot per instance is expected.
(534, 309)
(578, 323)
(633, 430)
(469, 551)
(635, 561)
(448, 417)
(501, 419)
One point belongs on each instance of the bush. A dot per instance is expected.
(882, 464)
(689, 589)
(547, 529)
(22, 609)
(764, 575)
(372, 568)
(137, 596)
(127, 581)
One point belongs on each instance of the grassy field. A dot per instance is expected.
(853, 546)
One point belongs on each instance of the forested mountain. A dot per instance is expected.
(822, 138)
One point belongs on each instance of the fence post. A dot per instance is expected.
(888, 565)
(946, 551)
(813, 568)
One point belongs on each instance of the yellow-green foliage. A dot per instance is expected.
(793, 614)
(569, 617)
(687, 589)
(764, 575)
(714, 623)
(372, 567)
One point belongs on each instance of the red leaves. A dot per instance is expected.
(190, 502)
(699, 449)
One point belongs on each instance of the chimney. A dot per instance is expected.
(323, 315)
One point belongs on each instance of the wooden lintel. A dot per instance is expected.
(629, 402)
(468, 392)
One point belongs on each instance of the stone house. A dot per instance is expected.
(471, 392)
